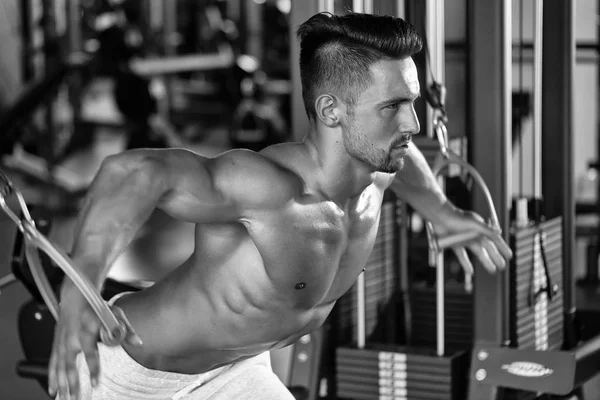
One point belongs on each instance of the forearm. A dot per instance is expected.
(121, 198)
(416, 185)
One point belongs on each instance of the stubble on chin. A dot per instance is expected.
(391, 166)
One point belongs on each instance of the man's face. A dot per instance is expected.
(384, 118)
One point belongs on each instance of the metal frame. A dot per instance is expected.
(490, 63)
(489, 133)
(557, 139)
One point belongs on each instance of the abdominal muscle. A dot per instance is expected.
(200, 318)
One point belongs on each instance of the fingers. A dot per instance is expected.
(494, 254)
(463, 259)
(61, 375)
(72, 375)
(75, 333)
(486, 252)
(89, 347)
(496, 237)
(131, 336)
(52, 382)
(502, 246)
(484, 258)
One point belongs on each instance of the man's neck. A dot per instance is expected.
(340, 177)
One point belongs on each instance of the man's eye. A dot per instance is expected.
(393, 106)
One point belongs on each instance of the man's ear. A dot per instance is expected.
(328, 109)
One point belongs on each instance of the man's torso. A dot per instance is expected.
(255, 285)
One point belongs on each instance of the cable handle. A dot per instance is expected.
(114, 329)
(449, 158)
(436, 244)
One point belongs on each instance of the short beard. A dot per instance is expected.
(380, 162)
(390, 165)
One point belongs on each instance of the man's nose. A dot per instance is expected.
(409, 123)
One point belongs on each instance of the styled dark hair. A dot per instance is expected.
(336, 52)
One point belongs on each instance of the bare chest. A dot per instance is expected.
(313, 251)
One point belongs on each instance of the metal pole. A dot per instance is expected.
(74, 28)
(440, 310)
(358, 6)
(361, 313)
(490, 77)
(557, 144)
(326, 6)
(537, 99)
(401, 9)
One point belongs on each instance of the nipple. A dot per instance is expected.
(300, 285)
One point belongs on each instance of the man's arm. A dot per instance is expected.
(231, 187)
(416, 185)
(187, 186)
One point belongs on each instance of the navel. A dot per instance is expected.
(300, 285)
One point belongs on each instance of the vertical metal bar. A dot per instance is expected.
(326, 5)
(537, 98)
(233, 10)
(435, 37)
(490, 64)
(401, 9)
(361, 313)
(76, 55)
(254, 30)
(169, 27)
(416, 12)
(557, 139)
(434, 30)
(156, 16)
(74, 27)
(368, 6)
(27, 69)
(440, 311)
(357, 6)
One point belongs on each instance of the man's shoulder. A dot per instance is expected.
(251, 177)
(272, 163)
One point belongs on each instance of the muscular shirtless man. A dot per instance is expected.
(280, 234)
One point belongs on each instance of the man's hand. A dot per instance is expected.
(491, 249)
(78, 330)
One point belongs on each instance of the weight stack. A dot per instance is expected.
(388, 372)
(458, 316)
(536, 301)
(538, 321)
(381, 275)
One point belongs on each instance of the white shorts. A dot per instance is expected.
(123, 378)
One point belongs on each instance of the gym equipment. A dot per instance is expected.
(114, 330)
(381, 279)
(63, 188)
(458, 317)
(390, 372)
(308, 374)
(536, 286)
(495, 367)
(43, 125)
(35, 321)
